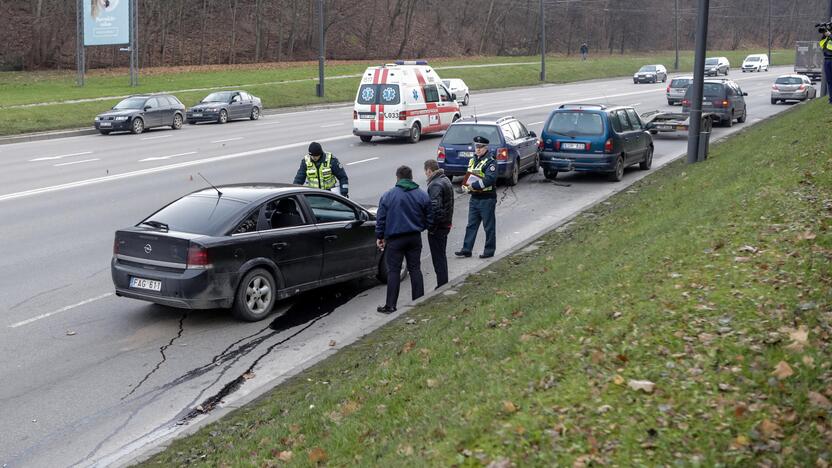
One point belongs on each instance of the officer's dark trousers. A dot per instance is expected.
(406, 246)
(438, 242)
(827, 71)
(481, 210)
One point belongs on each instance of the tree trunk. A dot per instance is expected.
(232, 50)
(202, 32)
(485, 29)
(258, 30)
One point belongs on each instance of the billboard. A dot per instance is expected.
(106, 22)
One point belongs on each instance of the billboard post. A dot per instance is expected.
(106, 22)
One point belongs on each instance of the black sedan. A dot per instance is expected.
(244, 247)
(223, 106)
(138, 113)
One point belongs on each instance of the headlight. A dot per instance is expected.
(122, 117)
(97, 118)
(211, 109)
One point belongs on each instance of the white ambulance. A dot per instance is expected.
(402, 99)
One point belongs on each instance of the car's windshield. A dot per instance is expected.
(447, 83)
(463, 134)
(198, 214)
(711, 61)
(680, 82)
(131, 103)
(752, 59)
(218, 97)
(576, 123)
(789, 80)
(647, 68)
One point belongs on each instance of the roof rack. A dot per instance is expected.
(508, 117)
(583, 106)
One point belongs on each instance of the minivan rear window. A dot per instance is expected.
(378, 94)
(576, 124)
(198, 214)
(680, 82)
(463, 134)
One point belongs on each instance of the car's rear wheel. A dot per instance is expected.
(415, 133)
(255, 297)
(366, 138)
(535, 165)
(465, 101)
(383, 275)
(647, 163)
(138, 126)
(514, 176)
(550, 174)
(741, 119)
(223, 118)
(177, 122)
(618, 173)
(255, 113)
(774, 101)
(729, 122)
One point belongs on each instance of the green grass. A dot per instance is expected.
(19, 88)
(700, 279)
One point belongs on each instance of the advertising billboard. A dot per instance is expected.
(106, 22)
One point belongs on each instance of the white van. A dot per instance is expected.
(755, 62)
(402, 99)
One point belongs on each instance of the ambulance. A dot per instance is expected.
(404, 100)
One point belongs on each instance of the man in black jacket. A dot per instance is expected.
(441, 194)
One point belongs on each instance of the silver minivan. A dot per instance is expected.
(677, 88)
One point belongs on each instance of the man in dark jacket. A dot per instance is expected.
(403, 213)
(320, 170)
(441, 194)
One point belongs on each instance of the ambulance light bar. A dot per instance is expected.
(411, 62)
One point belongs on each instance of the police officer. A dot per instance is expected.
(320, 170)
(826, 47)
(480, 182)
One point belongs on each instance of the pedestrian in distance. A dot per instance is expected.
(403, 213)
(584, 51)
(826, 47)
(441, 194)
(322, 170)
(479, 182)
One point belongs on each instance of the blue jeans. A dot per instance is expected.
(827, 72)
(481, 210)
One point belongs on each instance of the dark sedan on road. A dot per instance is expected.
(245, 247)
(223, 106)
(138, 113)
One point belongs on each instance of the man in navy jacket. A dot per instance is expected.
(403, 213)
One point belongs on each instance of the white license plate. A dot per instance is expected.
(573, 146)
(142, 283)
(366, 116)
(668, 128)
(197, 115)
(466, 154)
(106, 124)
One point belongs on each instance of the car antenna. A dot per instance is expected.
(475, 114)
(209, 183)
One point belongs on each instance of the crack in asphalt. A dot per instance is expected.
(506, 192)
(42, 293)
(162, 352)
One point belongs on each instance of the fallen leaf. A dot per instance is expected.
(645, 386)
(808, 361)
(406, 450)
(768, 429)
(807, 235)
(248, 375)
(739, 442)
(782, 371)
(622, 358)
(317, 455)
(800, 338)
(509, 407)
(432, 383)
(331, 342)
(818, 399)
(741, 259)
(408, 347)
(618, 380)
(500, 463)
(597, 357)
(748, 248)
(285, 455)
(70, 333)
(740, 410)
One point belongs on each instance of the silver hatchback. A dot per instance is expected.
(792, 88)
(677, 88)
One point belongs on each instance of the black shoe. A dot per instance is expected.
(386, 309)
(462, 253)
(486, 255)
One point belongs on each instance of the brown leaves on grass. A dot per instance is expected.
(408, 347)
(800, 338)
(782, 371)
(817, 399)
(317, 455)
(509, 407)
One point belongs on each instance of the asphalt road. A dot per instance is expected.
(89, 378)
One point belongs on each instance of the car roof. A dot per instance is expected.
(590, 107)
(255, 191)
(792, 75)
(484, 120)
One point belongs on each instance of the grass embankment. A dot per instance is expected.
(36, 87)
(711, 283)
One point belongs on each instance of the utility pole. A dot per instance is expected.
(321, 49)
(542, 42)
(823, 90)
(134, 43)
(695, 127)
(769, 32)
(79, 42)
(676, 33)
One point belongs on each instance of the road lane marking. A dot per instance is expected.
(227, 139)
(271, 122)
(161, 158)
(62, 309)
(157, 137)
(535, 123)
(154, 170)
(50, 158)
(362, 161)
(76, 162)
(332, 125)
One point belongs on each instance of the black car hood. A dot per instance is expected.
(116, 112)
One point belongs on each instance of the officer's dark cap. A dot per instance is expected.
(315, 149)
(480, 140)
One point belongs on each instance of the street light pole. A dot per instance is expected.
(676, 33)
(697, 87)
(769, 32)
(321, 49)
(823, 90)
(542, 43)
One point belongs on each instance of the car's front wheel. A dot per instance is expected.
(618, 173)
(465, 101)
(255, 113)
(255, 297)
(223, 118)
(104, 132)
(177, 122)
(774, 101)
(647, 163)
(138, 126)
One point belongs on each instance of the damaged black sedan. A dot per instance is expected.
(245, 247)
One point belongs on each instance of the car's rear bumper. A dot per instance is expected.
(188, 289)
(799, 96)
(565, 162)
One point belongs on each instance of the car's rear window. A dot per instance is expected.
(576, 124)
(198, 214)
(789, 80)
(463, 134)
(680, 82)
(378, 94)
(710, 89)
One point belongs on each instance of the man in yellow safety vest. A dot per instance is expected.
(322, 170)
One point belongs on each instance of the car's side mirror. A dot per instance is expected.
(147, 108)
(533, 134)
(363, 216)
(745, 94)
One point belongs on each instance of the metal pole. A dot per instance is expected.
(79, 42)
(676, 34)
(135, 47)
(823, 90)
(542, 43)
(769, 32)
(698, 81)
(321, 49)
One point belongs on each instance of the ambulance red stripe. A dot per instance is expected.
(373, 106)
(381, 107)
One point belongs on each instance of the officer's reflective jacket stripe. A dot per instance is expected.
(826, 46)
(320, 176)
(478, 169)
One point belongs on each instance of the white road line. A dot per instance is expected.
(160, 158)
(227, 139)
(332, 125)
(636, 104)
(50, 158)
(362, 161)
(76, 162)
(62, 309)
(271, 122)
(156, 137)
(535, 123)
(154, 170)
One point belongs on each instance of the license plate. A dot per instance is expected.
(142, 283)
(106, 124)
(197, 115)
(667, 128)
(366, 115)
(681, 128)
(573, 146)
(466, 154)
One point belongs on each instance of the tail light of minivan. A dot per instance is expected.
(557, 145)
(774, 87)
(668, 89)
(726, 104)
(198, 257)
(502, 154)
(802, 87)
(608, 145)
(685, 102)
(403, 115)
(440, 154)
(540, 144)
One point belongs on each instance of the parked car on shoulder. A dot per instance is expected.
(677, 88)
(138, 113)
(223, 106)
(594, 138)
(755, 62)
(723, 99)
(715, 66)
(650, 74)
(514, 147)
(792, 88)
(459, 89)
(245, 247)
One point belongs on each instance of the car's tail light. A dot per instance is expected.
(115, 245)
(668, 88)
(557, 145)
(587, 146)
(685, 102)
(774, 87)
(502, 154)
(608, 145)
(355, 115)
(726, 104)
(198, 257)
(440, 154)
(403, 115)
(540, 143)
(802, 87)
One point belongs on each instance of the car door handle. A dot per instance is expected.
(331, 238)
(280, 245)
